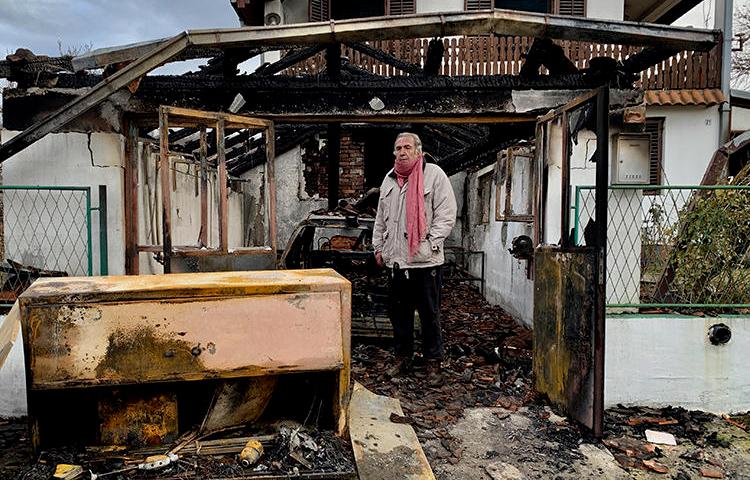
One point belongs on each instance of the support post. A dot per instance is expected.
(565, 187)
(131, 199)
(222, 181)
(601, 196)
(103, 239)
(202, 152)
(271, 178)
(334, 150)
(166, 200)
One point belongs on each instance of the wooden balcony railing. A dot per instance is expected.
(491, 55)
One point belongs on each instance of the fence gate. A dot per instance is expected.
(47, 232)
(569, 281)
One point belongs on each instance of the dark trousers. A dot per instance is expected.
(417, 288)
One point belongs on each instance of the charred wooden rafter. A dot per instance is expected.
(484, 151)
(386, 58)
(647, 57)
(291, 58)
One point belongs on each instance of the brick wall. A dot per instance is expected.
(351, 167)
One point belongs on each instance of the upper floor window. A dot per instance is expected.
(321, 10)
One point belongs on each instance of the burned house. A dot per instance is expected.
(524, 109)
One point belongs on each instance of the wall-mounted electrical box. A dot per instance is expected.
(631, 159)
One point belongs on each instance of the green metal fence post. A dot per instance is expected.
(89, 247)
(103, 247)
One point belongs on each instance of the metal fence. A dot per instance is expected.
(47, 232)
(674, 246)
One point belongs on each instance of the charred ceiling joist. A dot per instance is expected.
(148, 56)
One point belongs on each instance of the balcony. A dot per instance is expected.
(492, 55)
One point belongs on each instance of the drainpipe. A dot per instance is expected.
(723, 21)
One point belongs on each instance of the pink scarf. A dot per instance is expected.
(416, 222)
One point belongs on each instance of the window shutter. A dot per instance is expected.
(574, 8)
(478, 4)
(654, 129)
(320, 10)
(401, 7)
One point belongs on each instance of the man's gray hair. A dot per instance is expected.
(415, 138)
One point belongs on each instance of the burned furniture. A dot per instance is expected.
(344, 243)
(139, 360)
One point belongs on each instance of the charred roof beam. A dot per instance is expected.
(386, 58)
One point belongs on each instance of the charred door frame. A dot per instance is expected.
(189, 118)
(599, 98)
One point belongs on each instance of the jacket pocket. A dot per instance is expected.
(424, 252)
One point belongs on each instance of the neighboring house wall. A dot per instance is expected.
(740, 119)
(605, 9)
(661, 360)
(691, 136)
(75, 159)
(430, 6)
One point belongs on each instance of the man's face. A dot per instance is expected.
(406, 151)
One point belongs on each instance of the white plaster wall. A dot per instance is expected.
(668, 360)
(293, 204)
(430, 6)
(740, 119)
(73, 159)
(13, 381)
(691, 136)
(506, 281)
(605, 9)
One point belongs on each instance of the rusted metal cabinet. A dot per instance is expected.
(88, 333)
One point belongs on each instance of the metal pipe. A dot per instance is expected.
(90, 256)
(723, 21)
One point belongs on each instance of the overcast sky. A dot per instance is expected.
(39, 24)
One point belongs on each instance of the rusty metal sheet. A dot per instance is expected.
(564, 312)
(146, 341)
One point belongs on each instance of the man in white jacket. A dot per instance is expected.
(416, 212)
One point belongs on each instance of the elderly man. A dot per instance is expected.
(416, 212)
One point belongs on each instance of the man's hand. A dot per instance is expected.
(379, 259)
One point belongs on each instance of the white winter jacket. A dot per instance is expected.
(389, 234)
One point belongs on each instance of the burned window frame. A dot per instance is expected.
(505, 213)
(484, 197)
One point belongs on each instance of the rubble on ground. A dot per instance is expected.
(485, 422)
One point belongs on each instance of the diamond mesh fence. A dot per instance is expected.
(46, 233)
(678, 246)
